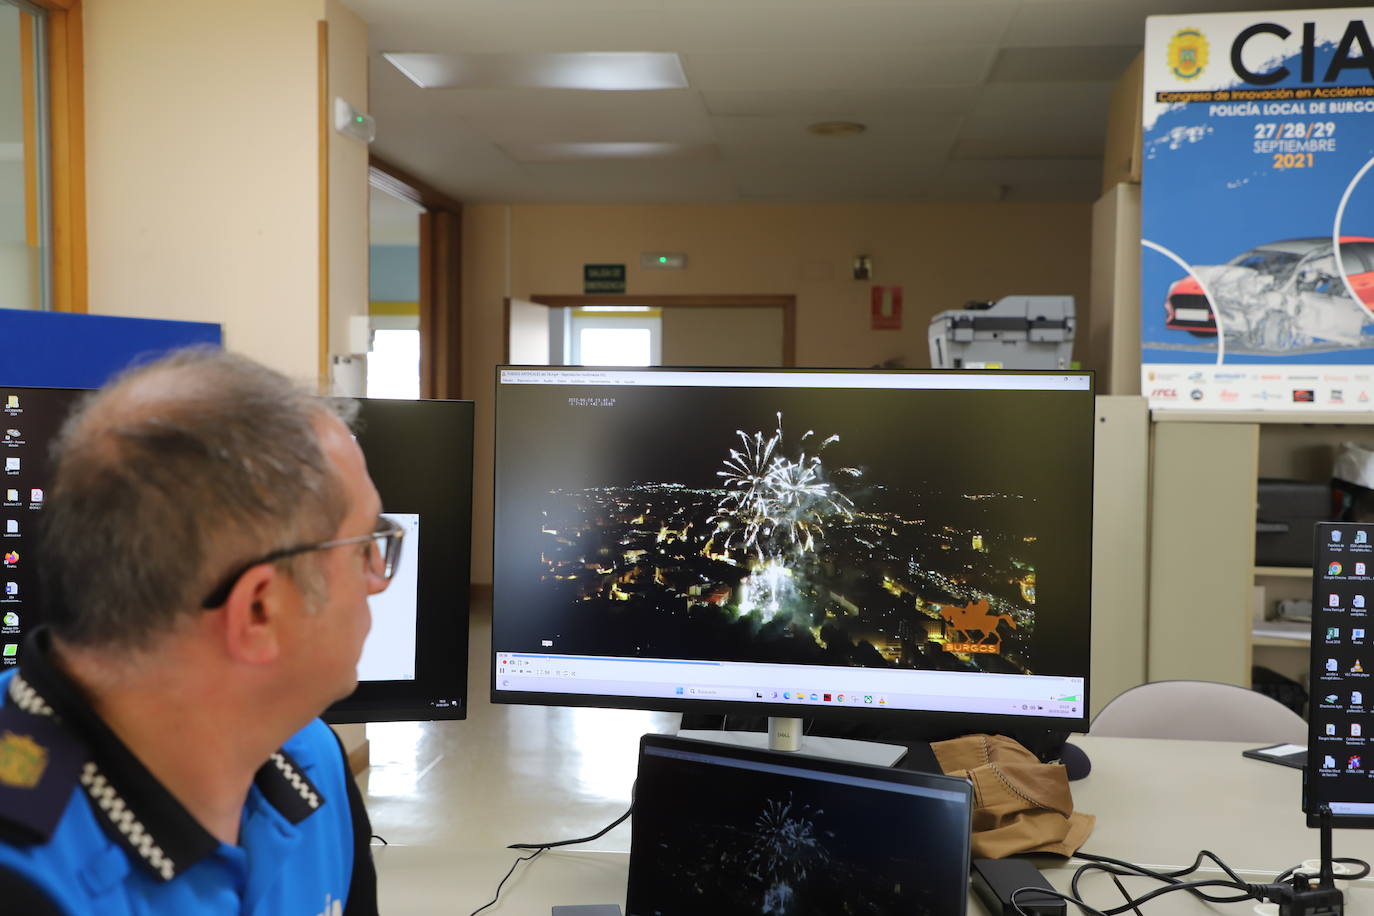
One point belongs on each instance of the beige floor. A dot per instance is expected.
(426, 784)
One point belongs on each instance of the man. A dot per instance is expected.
(208, 548)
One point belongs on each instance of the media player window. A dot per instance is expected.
(911, 541)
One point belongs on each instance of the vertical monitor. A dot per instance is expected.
(899, 547)
(419, 453)
(1340, 745)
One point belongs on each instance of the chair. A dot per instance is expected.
(1199, 711)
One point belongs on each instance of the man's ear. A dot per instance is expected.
(253, 615)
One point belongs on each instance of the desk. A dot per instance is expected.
(1157, 803)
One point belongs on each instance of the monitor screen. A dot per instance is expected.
(419, 453)
(1340, 770)
(901, 547)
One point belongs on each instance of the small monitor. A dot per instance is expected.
(730, 830)
(901, 548)
(419, 453)
(1340, 744)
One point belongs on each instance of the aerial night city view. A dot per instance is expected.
(779, 543)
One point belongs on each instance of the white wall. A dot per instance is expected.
(202, 169)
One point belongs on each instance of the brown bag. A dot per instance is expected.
(1020, 804)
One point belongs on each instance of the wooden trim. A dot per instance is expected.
(427, 307)
(360, 758)
(67, 145)
(57, 5)
(788, 304)
(29, 90)
(322, 52)
(713, 301)
(505, 330)
(399, 183)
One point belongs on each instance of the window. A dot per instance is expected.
(25, 252)
(615, 336)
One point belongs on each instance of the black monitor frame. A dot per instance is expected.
(1345, 544)
(918, 723)
(419, 455)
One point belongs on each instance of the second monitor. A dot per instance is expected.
(908, 548)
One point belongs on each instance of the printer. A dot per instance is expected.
(1015, 332)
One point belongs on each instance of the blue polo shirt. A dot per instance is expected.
(86, 828)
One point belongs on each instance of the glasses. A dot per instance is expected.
(383, 556)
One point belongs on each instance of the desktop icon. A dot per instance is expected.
(1334, 569)
(828, 698)
(868, 698)
(1354, 729)
(814, 698)
(787, 695)
(1356, 698)
(1359, 569)
(12, 464)
(1354, 762)
(1357, 668)
(1357, 601)
(1330, 698)
(1328, 763)
(12, 558)
(1333, 633)
(1361, 537)
(1335, 537)
(12, 402)
(1333, 600)
(840, 698)
(1357, 633)
(11, 619)
(11, 649)
(1331, 665)
(11, 526)
(1330, 728)
(11, 434)
(11, 589)
(11, 496)
(36, 495)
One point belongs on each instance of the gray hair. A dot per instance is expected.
(170, 478)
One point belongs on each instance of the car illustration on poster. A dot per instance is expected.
(1282, 296)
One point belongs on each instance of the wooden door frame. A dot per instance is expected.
(787, 303)
(441, 299)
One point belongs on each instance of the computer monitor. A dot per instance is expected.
(419, 453)
(1339, 776)
(901, 548)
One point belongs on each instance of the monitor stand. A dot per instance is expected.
(785, 734)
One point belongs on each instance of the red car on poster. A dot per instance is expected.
(1283, 295)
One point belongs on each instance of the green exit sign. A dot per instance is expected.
(603, 278)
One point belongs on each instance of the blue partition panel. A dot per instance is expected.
(66, 350)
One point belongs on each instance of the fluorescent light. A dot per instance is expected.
(616, 308)
(561, 152)
(608, 71)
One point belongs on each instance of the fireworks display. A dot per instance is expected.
(775, 508)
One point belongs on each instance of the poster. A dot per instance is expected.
(1257, 224)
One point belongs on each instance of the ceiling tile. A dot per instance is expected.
(1062, 64)
(907, 28)
(840, 69)
(864, 105)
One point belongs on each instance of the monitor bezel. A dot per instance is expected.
(918, 724)
(444, 502)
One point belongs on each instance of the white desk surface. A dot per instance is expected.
(1157, 803)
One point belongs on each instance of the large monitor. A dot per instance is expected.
(901, 548)
(419, 453)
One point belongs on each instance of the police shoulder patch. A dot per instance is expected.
(39, 767)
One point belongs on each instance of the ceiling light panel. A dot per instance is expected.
(609, 71)
(572, 152)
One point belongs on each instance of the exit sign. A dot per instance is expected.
(603, 278)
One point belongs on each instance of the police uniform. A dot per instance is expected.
(86, 828)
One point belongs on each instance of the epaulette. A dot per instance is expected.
(40, 766)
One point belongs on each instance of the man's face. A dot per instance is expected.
(332, 634)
